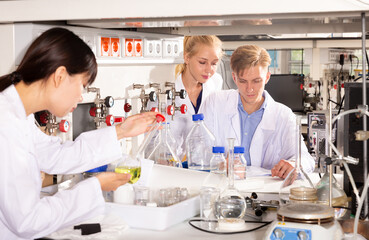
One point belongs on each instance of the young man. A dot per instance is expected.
(267, 129)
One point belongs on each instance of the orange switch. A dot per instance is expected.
(138, 47)
(105, 46)
(115, 47)
(129, 51)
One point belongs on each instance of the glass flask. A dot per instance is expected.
(164, 151)
(132, 164)
(297, 180)
(199, 143)
(240, 163)
(339, 197)
(218, 164)
(231, 205)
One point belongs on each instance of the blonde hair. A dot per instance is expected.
(249, 56)
(191, 47)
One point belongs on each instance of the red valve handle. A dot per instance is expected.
(154, 109)
(170, 110)
(64, 126)
(110, 120)
(119, 119)
(127, 107)
(93, 111)
(44, 118)
(183, 108)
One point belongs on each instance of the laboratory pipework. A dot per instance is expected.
(152, 96)
(100, 111)
(172, 94)
(52, 125)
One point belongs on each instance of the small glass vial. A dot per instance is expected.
(240, 163)
(218, 164)
(141, 195)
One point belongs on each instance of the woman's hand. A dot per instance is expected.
(135, 125)
(110, 181)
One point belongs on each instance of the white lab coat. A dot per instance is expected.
(274, 138)
(182, 123)
(25, 151)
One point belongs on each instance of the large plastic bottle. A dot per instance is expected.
(218, 164)
(240, 163)
(199, 143)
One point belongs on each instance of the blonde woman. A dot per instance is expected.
(197, 75)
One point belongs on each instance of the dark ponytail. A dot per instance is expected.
(54, 48)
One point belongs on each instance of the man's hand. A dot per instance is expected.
(110, 181)
(282, 169)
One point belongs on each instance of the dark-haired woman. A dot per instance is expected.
(51, 76)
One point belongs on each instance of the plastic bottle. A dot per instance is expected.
(199, 143)
(240, 163)
(218, 164)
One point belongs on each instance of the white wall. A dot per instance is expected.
(7, 56)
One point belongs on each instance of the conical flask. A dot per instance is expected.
(297, 186)
(231, 204)
(132, 163)
(164, 151)
(339, 197)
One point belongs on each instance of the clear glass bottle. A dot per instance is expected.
(231, 204)
(339, 197)
(164, 151)
(132, 164)
(218, 164)
(199, 143)
(297, 180)
(240, 163)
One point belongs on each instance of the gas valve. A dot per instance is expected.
(52, 124)
(110, 120)
(109, 101)
(182, 94)
(100, 111)
(182, 108)
(152, 96)
(170, 110)
(127, 107)
(64, 126)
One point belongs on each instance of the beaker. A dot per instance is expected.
(164, 151)
(132, 164)
(339, 197)
(297, 178)
(231, 204)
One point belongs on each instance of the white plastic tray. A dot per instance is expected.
(155, 218)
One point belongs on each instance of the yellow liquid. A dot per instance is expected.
(134, 171)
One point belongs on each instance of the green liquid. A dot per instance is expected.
(134, 171)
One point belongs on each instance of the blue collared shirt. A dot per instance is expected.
(248, 125)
